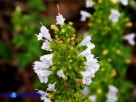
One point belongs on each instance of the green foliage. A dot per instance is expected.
(66, 57)
(25, 26)
(108, 37)
(5, 52)
(36, 5)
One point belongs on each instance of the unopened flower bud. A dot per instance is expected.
(53, 68)
(113, 73)
(105, 52)
(118, 51)
(54, 27)
(129, 24)
(99, 91)
(72, 40)
(65, 78)
(128, 61)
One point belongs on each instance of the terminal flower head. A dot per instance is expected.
(89, 3)
(84, 15)
(62, 62)
(114, 15)
(60, 20)
(130, 38)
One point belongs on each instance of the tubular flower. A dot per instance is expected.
(89, 3)
(84, 15)
(114, 15)
(130, 38)
(111, 96)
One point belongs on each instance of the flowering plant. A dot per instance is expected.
(68, 67)
(107, 24)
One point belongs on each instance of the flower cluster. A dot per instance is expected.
(114, 14)
(69, 66)
(107, 23)
(91, 64)
(111, 96)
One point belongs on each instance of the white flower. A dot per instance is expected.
(46, 45)
(89, 3)
(39, 66)
(51, 87)
(124, 2)
(60, 73)
(40, 36)
(84, 15)
(42, 93)
(112, 90)
(86, 42)
(92, 98)
(43, 96)
(43, 76)
(114, 15)
(47, 59)
(86, 91)
(130, 38)
(87, 54)
(47, 100)
(92, 65)
(60, 19)
(45, 33)
(111, 96)
(87, 77)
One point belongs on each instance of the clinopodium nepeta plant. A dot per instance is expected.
(69, 66)
(107, 24)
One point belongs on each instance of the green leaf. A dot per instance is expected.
(47, 21)
(24, 59)
(19, 40)
(5, 52)
(36, 5)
